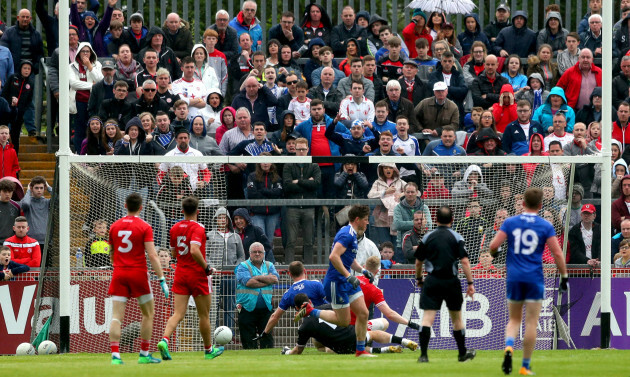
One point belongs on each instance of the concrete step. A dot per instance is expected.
(48, 174)
(38, 165)
(27, 140)
(36, 157)
(32, 148)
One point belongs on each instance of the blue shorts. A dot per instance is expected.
(340, 293)
(519, 291)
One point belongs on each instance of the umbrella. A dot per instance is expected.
(446, 6)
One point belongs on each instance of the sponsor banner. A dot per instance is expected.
(17, 299)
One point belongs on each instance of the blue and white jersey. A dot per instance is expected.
(312, 288)
(526, 234)
(347, 237)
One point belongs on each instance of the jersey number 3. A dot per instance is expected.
(525, 242)
(125, 234)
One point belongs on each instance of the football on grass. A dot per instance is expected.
(47, 348)
(222, 335)
(25, 349)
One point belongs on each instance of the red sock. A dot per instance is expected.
(115, 346)
(144, 346)
(168, 341)
(208, 348)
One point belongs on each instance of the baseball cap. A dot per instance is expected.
(108, 64)
(503, 6)
(588, 208)
(440, 85)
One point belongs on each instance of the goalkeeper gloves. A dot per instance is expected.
(368, 275)
(414, 325)
(164, 286)
(564, 283)
(353, 281)
(260, 336)
(209, 270)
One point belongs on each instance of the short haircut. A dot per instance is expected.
(38, 180)
(555, 142)
(402, 116)
(150, 49)
(317, 102)
(6, 248)
(162, 72)
(477, 109)
(358, 211)
(447, 55)
(393, 84)
(210, 33)
(4, 127)
(355, 60)
(384, 28)
(395, 41)
(624, 103)
(258, 53)
(255, 245)
(373, 263)
(563, 115)
(190, 204)
(259, 123)
(325, 49)
(574, 35)
(523, 103)
(301, 85)
(533, 197)
(115, 25)
(387, 133)
(296, 268)
(386, 244)
(381, 103)
(368, 58)
(244, 110)
(414, 184)
(625, 58)
(449, 128)
(355, 82)
(178, 103)
(288, 14)
(20, 219)
(594, 16)
(160, 113)
(444, 215)
(133, 202)
(301, 140)
(420, 43)
(7, 186)
(121, 84)
(300, 299)
(624, 242)
(148, 82)
(187, 60)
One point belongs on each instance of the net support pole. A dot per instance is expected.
(65, 302)
(606, 183)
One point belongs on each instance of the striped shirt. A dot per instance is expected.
(231, 139)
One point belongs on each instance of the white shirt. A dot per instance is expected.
(559, 181)
(564, 140)
(587, 236)
(447, 78)
(192, 170)
(351, 110)
(301, 110)
(188, 90)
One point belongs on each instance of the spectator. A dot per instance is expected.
(246, 22)
(200, 140)
(384, 33)
(217, 60)
(405, 144)
(127, 68)
(345, 84)
(350, 183)
(381, 123)
(448, 36)
(85, 71)
(286, 63)
(517, 135)
(486, 120)
(620, 211)
(624, 7)
(502, 20)
(10, 165)
(23, 32)
(280, 137)
(592, 38)
(316, 24)
(113, 38)
(485, 269)
(416, 29)
(558, 131)
(251, 234)
(374, 42)
(290, 94)
(49, 23)
(595, 7)
(553, 34)
(412, 87)
(579, 81)
(6, 64)
(354, 143)
(227, 37)
(257, 68)
(567, 58)
(386, 250)
(472, 33)
(18, 92)
(149, 71)
(585, 239)
(489, 144)
(397, 105)
(620, 129)
(228, 120)
(473, 227)
(389, 188)
(624, 234)
(624, 255)
(300, 105)
(486, 86)
(198, 174)
(301, 181)
(620, 34)
(345, 31)
(256, 146)
(104, 89)
(516, 39)
(476, 63)
(202, 70)
(504, 111)
(425, 64)
(177, 36)
(436, 112)
(543, 65)
(514, 72)
(574, 207)
(287, 33)
(191, 89)
(97, 248)
(90, 29)
(36, 208)
(579, 147)
(621, 83)
(445, 146)
(326, 58)
(9, 268)
(556, 103)
(534, 92)
(403, 216)
(472, 186)
(94, 144)
(9, 209)
(113, 134)
(265, 183)
(118, 107)
(135, 140)
(356, 106)
(412, 237)
(255, 275)
(454, 79)
(327, 93)
(24, 249)
(166, 57)
(312, 54)
(593, 111)
(390, 65)
(272, 111)
(256, 98)
(136, 35)
(471, 121)
(149, 101)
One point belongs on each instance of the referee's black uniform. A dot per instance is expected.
(441, 250)
(342, 340)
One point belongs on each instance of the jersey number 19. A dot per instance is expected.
(525, 242)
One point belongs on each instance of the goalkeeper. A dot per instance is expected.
(527, 235)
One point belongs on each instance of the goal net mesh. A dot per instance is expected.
(482, 196)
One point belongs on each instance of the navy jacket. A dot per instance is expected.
(16, 268)
(514, 139)
(521, 42)
(259, 111)
(11, 40)
(298, 36)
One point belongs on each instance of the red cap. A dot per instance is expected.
(588, 208)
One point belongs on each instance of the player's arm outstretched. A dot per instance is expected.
(157, 267)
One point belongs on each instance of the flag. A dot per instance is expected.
(43, 333)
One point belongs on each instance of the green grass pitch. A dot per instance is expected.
(575, 363)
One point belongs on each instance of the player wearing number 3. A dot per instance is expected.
(527, 235)
(192, 278)
(130, 237)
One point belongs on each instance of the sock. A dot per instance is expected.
(144, 348)
(208, 348)
(509, 341)
(396, 339)
(460, 338)
(315, 313)
(526, 363)
(377, 350)
(425, 336)
(115, 346)
(404, 342)
(165, 338)
(360, 345)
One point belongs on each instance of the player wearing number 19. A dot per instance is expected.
(130, 236)
(526, 235)
(192, 278)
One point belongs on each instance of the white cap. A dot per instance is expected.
(440, 85)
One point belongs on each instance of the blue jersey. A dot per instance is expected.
(312, 288)
(526, 235)
(347, 237)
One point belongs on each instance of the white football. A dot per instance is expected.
(222, 335)
(46, 348)
(25, 349)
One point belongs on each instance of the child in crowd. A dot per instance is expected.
(624, 250)
(8, 156)
(426, 63)
(97, 248)
(387, 253)
(300, 106)
(165, 260)
(18, 92)
(471, 121)
(485, 269)
(9, 268)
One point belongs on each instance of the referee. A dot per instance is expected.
(440, 250)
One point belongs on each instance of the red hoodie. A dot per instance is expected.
(8, 161)
(504, 114)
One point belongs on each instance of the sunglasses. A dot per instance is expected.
(292, 82)
(149, 90)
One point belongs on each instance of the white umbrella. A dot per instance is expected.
(446, 6)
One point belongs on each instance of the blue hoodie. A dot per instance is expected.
(544, 116)
(467, 38)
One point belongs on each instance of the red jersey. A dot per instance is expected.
(371, 294)
(24, 250)
(127, 237)
(183, 235)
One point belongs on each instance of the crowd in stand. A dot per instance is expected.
(360, 89)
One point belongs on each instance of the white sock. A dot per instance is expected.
(116, 355)
(404, 342)
(385, 350)
(144, 353)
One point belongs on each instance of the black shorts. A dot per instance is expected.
(435, 290)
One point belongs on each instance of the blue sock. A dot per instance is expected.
(315, 313)
(360, 345)
(509, 341)
(526, 363)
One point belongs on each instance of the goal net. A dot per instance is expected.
(482, 195)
